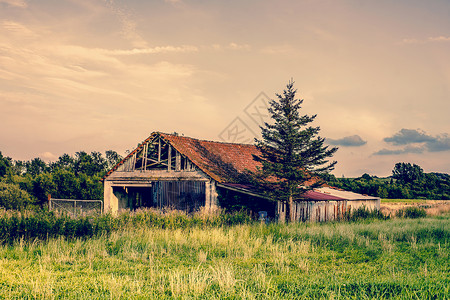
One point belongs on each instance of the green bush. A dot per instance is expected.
(12, 197)
(363, 213)
(412, 212)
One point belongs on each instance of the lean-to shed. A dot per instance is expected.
(168, 170)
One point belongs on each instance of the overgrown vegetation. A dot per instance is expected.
(30, 225)
(42, 225)
(411, 212)
(12, 197)
(362, 214)
(397, 258)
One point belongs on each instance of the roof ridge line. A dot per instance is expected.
(219, 142)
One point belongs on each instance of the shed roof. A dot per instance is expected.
(345, 194)
(317, 194)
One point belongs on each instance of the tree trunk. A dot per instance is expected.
(282, 213)
(291, 209)
(286, 212)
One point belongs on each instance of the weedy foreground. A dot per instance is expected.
(376, 259)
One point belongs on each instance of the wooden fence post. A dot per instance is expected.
(49, 198)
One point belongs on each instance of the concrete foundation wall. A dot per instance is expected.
(110, 201)
(211, 195)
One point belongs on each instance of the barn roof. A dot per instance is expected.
(221, 161)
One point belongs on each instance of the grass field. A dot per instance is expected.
(405, 201)
(431, 207)
(397, 258)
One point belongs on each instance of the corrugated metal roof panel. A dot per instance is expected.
(317, 195)
(345, 194)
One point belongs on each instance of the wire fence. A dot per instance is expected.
(76, 207)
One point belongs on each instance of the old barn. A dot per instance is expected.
(172, 171)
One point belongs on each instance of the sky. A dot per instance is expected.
(95, 75)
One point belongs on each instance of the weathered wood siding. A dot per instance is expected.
(182, 195)
(322, 211)
(316, 211)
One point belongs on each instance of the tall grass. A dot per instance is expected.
(29, 225)
(396, 258)
(362, 213)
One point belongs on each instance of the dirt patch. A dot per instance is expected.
(432, 207)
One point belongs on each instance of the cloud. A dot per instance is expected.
(441, 143)
(15, 3)
(278, 49)
(17, 29)
(439, 39)
(31, 58)
(129, 27)
(416, 141)
(409, 136)
(231, 46)
(154, 50)
(234, 46)
(48, 156)
(431, 39)
(348, 141)
(173, 1)
(408, 149)
(412, 41)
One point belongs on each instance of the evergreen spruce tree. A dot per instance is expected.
(292, 153)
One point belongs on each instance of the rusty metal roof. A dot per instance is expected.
(319, 196)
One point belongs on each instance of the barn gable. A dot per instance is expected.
(154, 153)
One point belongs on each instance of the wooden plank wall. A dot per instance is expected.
(182, 195)
(317, 211)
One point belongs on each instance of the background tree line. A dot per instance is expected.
(408, 181)
(27, 184)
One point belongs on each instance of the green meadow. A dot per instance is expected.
(404, 201)
(369, 259)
